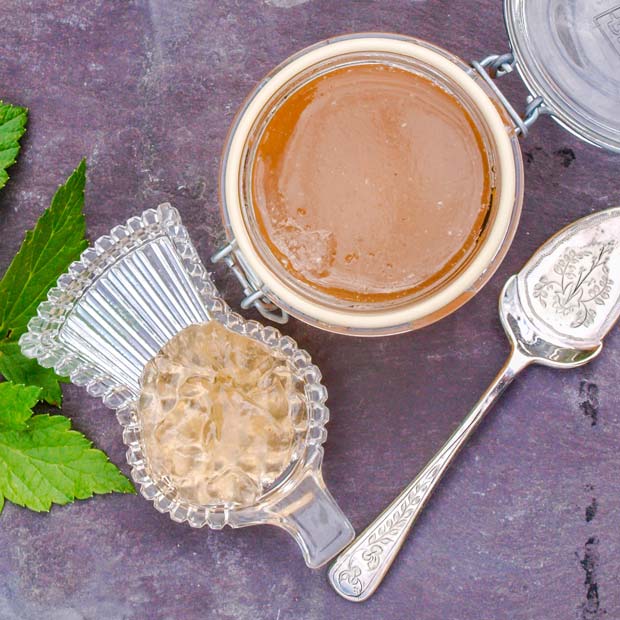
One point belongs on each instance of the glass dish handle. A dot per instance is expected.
(311, 515)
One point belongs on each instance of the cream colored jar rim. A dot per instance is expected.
(417, 310)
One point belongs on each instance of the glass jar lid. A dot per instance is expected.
(568, 52)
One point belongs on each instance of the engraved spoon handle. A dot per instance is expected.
(360, 568)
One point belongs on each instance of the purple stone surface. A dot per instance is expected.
(526, 524)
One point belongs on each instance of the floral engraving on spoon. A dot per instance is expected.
(383, 539)
(582, 282)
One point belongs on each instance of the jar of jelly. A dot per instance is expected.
(372, 183)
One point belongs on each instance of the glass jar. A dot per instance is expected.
(269, 283)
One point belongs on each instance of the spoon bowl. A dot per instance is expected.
(526, 341)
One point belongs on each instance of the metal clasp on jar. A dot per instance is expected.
(253, 288)
(498, 65)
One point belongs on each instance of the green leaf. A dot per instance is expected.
(12, 127)
(46, 252)
(16, 367)
(16, 403)
(48, 463)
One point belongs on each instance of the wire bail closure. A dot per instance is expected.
(253, 288)
(498, 65)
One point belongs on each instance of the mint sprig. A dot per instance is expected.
(42, 460)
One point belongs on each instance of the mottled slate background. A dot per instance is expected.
(527, 525)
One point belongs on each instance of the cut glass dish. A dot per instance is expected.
(114, 310)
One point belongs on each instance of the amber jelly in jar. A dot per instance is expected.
(370, 184)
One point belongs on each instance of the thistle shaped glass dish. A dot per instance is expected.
(115, 309)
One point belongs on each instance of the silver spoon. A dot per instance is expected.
(555, 312)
